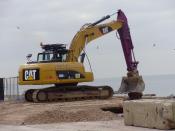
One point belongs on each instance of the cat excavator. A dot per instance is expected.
(64, 68)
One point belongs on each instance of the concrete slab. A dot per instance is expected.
(151, 113)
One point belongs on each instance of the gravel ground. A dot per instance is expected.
(24, 113)
(112, 125)
(89, 115)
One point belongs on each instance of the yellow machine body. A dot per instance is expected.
(47, 73)
(53, 73)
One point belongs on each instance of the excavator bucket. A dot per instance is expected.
(133, 85)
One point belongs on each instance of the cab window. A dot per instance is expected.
(51, 57)
(43, 57)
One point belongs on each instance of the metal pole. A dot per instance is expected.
(6, 87)
(10, 88)
(17, 87)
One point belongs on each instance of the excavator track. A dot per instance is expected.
(68, 93)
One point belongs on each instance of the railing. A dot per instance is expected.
(11, 88)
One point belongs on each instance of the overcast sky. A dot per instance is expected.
(26, 23)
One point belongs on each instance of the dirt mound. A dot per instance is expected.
(36, 113)
(59, 115)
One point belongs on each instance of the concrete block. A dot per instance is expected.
(150, 113)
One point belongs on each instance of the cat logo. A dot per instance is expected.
(31, 74)
(105, 29)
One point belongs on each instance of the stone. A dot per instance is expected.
(150, 113)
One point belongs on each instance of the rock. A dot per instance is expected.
(150, 113)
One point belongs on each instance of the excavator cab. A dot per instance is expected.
(53, 53)
(51, 57)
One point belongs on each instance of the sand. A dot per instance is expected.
(25, 113)
(111, 125)
(89, 115)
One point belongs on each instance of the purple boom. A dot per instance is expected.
(126, 41)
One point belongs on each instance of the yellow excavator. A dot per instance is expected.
(64, 67)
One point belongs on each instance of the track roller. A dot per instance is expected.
(28, 95)
(40, 96)
(68, 93)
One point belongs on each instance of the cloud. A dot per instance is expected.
(58, 21)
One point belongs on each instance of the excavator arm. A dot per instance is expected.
(89, 33)
(126, 42)
(132, 84)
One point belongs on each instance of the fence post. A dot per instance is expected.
(1, 89)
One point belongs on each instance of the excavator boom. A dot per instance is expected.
(89, 33)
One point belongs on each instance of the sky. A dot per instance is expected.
(24, 24)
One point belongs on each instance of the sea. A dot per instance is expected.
(161, 85)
